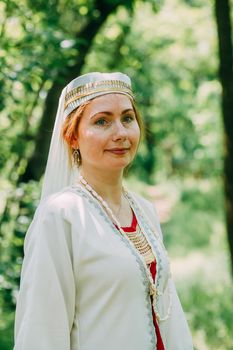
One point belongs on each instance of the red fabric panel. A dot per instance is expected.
(160, 345)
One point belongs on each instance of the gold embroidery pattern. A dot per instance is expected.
(95, 87)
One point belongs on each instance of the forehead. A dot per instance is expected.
(109, 102)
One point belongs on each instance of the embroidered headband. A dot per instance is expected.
(91, 85)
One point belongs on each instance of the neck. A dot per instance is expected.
(107, 185)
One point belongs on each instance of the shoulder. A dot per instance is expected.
(61, 202)
(60, 209)
(51, 227)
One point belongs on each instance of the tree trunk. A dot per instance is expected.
(222, 12)
(37, 162)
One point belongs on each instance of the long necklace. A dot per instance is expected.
(140, 242)
(154, 292)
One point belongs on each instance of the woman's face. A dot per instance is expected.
(108, 133)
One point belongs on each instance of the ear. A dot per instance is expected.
(74, 142)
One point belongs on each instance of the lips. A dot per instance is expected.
(118, 150)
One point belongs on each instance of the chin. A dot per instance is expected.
(118, 165)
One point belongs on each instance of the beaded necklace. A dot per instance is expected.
(154, 292)
(140, 242)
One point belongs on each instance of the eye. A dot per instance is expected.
(101, 122)
(128, 118)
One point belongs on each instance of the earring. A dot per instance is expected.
(77, 157)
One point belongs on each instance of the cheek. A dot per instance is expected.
(135, 135)
(91, 140)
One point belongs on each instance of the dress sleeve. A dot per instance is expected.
(174, 331)
(179, 334)
(46, 301)
(176, 326)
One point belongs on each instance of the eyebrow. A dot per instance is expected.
(110, 113)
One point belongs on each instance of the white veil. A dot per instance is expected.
(59, 173)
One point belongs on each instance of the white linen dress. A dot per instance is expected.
(84, 286)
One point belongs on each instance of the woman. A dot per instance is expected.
(96, 274)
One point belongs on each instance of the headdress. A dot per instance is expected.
(59, 173)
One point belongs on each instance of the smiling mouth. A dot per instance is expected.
(118, 150)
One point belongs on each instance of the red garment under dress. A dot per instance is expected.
(132, 228)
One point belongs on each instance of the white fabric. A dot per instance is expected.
(95, 77)
(87, 81)
(59, 173)
(83, 288)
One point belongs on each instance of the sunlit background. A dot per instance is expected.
(169, 49)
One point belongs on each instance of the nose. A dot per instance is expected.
(119, 132)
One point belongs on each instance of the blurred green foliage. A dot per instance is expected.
(171, 57)
(210, 309)
(197, 218)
